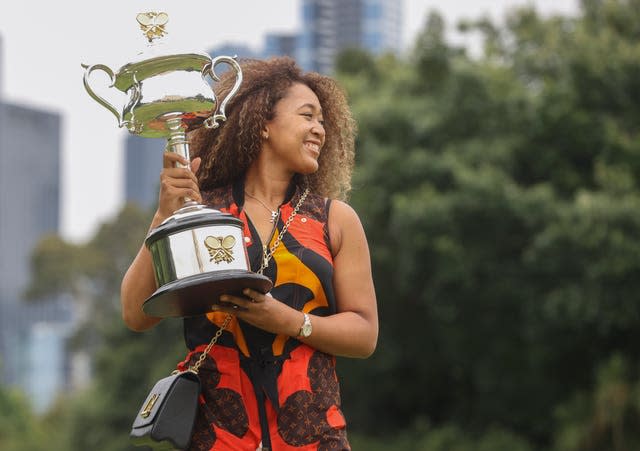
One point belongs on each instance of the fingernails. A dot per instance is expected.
(224, 298)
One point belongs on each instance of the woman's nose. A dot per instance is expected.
(318, 128)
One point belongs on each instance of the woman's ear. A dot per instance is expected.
(265, 133)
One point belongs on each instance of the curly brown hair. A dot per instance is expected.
(228, 151)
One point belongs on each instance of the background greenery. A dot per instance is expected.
(499, 193)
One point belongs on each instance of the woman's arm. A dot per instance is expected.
(139, 282)
(353, 330)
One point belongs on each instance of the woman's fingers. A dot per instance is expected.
(176, 184)
(172, 180)
(260, 310)
(246, 302)
(172, 160)
(254, 296)
(195, 165)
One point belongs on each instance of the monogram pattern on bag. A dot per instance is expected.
(222, 407)
(303, 416)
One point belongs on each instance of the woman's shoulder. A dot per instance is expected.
(342, 223)
(341, 211)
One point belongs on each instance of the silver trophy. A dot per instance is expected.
(198, 253)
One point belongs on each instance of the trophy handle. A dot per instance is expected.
(212, 122)
(95, 96)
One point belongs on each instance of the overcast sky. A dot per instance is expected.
(44, 42)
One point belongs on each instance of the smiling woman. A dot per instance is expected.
(281, 163)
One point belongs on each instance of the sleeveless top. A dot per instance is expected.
(258, 387)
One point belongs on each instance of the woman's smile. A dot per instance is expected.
(313, 147)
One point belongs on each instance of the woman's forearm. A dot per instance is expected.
(137, 285)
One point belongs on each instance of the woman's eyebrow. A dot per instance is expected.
(310, 105)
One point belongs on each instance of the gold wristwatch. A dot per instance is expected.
(306, 328)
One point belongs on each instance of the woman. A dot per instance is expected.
(280, 163)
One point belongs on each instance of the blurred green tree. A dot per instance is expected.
(501, 206)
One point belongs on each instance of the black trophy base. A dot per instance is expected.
(195, 295)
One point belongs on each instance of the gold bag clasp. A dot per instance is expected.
(149, 406)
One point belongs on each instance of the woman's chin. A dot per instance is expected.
(311, 169)
(308, 167)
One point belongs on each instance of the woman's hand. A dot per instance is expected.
(262, 311)
(176, 184)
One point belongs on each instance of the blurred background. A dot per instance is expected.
(497, 165)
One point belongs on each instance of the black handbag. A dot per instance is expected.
(165, 420)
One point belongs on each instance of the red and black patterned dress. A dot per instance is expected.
(257, 386)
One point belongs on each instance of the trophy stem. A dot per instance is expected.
(179, 144)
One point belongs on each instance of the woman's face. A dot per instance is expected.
(296, 134)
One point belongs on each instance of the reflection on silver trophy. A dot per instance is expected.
(198, 253)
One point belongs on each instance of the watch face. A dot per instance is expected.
(306, 328)
(305, 331)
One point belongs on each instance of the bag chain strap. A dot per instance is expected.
(265, 262)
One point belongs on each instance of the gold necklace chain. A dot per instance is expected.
(266, 256)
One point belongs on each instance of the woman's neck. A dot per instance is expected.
(269, 188)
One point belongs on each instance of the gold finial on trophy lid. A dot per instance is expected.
(152, 24)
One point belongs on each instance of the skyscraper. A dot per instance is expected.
(143, 163)
(30, 206)
(277, 44)
(29, 190)
(330, 26)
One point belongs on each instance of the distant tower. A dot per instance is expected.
(143, 164)
(29, 190)
(1, 69)
(280, 45)
(231, 49)
(330, 26)
(30, 206)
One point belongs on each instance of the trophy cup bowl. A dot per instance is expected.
(198, 253)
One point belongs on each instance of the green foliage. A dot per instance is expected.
(57, 263)
(93, 270)
(499, 197)
(18, 430)
(421, 437)
(606, 418)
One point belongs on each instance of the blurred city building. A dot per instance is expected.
(30, 205)
(331, 26)
(232, 49)
(143, 163)
(277, 44)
